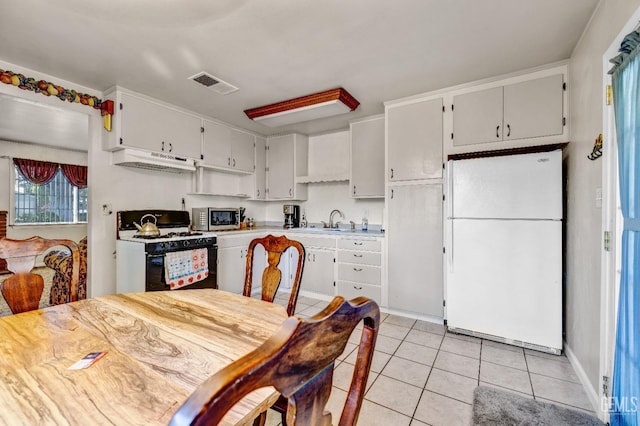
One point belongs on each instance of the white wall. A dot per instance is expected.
(584, 235)
(42, 153)
(123, 188)
(329, 156)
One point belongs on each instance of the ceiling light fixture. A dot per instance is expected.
(318, 105)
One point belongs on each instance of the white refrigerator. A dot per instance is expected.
(504, 249)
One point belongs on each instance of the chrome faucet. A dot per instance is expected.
(331, 223)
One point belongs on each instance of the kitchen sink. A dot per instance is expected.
(319, 229)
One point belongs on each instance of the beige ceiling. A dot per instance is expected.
(278, 49)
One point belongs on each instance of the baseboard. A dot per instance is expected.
(592, 394)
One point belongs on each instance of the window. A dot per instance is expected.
(57, 201)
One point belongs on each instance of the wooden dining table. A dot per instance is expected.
(160, 346)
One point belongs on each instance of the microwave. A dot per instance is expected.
(215, 219)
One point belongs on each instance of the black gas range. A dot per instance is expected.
(141, 258)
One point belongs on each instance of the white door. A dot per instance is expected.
(242, 146)
(216, 148)
(231, 267)
(139, 125)
(182, 133)
(533, 108)
(477, 117)
(415, 249)
(367, 158)
(318, 275)
(414, 141)
(505, 279)
(526, 186)
(280, 165)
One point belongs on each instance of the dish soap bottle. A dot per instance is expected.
(365, 222)
(303, 221)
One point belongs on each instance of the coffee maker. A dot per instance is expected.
(291, 215)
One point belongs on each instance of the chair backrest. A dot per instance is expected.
(298, 360)
(22, 291)
(271, 277)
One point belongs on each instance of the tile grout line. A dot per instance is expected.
(424, 388)
(529, 375)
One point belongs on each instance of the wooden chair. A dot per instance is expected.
(298, 361)
(23, 290)
(271, 277)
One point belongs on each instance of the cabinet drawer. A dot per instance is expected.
(359, 257)
(350, 290)
(359, 273)
(359, 244)
(317, 242)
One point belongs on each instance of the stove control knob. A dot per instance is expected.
(173, 244)
(185, 243)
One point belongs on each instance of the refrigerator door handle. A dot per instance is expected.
(449, 247)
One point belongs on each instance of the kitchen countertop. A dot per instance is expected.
(311, 231)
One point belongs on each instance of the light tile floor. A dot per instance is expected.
(424, 375)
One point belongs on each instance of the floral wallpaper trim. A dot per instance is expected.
(48, 89)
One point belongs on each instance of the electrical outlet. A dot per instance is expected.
(106, 209)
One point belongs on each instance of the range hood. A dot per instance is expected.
(152, 161)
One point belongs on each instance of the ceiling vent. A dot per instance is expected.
(214, 83)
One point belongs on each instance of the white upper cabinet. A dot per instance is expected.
(533, 108)
(286, 160)
(523, 110)
(152, 126)
(477, 117)
(227, 148)
(414, 140)
(367, 158)
(242, 147)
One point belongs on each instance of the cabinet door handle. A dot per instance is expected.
(357, 255)
(290, 192)
(228, 161)
(497, 131)
(357, 269)
(354, 190)
(258, 192)
(357, 288)
(357, 243)
(163, 145)
(309, 257)
(391, 177)
(508, 130)
(234, 162)
(392, 194)
(170, 147)
(314, 257)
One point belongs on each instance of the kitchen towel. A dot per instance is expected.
(182, 268)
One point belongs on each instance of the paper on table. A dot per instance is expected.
(87, 361)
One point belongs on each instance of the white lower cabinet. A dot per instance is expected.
(350, 290)
(414, 256)
(232, 261)
(319, 266)
(318, 275)
(359, 271)
(334, 265)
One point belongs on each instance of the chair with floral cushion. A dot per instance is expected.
(60, 261)
(22, 290)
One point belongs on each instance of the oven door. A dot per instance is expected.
(221, 219)
(155, 277)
